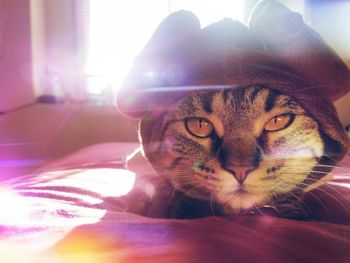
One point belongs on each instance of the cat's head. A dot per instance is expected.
(241, 147)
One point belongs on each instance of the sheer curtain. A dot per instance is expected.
(60, 36)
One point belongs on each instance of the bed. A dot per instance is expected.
(67, 212)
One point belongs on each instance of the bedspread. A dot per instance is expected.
(68, 212)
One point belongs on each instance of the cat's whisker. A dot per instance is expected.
(169, 194)
(195, 184)
(340, 174)
(302, 202)
(330, 157)
(331, 188)
(320, 172)
(331, 195)
(316, 165)
(179, 199)
(325, 183)
(333, 174)
(226, 209)
(320, 201)
(258, 209)
(330, 166)
(212, 197)
(336, 176)
(304, 174)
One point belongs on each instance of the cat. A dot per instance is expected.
(246, 149)
(235, 119)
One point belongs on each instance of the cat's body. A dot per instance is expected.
(238, 150)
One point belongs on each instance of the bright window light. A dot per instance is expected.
(119, 29)
(211, 11)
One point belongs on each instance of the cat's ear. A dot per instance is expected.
(155, 64)
(286, 36)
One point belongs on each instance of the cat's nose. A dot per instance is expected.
(241, 172)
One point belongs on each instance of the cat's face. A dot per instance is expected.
(239, 147)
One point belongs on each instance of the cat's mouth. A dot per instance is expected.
(241, 198)
(241, 190)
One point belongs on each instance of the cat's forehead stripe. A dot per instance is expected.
(271, 100)
(207, 102)
(254, 91)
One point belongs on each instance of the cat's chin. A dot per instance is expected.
(241, 200)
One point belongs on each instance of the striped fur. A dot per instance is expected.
(282, 161)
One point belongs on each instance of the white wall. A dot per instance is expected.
(15, 55)
(332, 20)
(38, 134)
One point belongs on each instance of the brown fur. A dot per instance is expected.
(198, 167)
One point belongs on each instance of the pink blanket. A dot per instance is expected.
(68, 212)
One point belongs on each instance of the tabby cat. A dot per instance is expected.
(231, 151)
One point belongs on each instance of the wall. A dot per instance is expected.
(15, 54)
(59, 48)
(35, 135)
(38, 36)
(331, 19)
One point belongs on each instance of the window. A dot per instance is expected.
(119, 29)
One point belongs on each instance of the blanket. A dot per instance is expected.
(68, 211)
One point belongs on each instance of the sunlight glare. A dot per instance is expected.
(104, 181)
(119, 30)
(211, 11)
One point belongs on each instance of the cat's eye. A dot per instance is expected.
(199, 127)
(279, 122)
